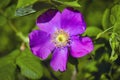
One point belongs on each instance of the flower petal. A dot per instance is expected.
(59, 59)
(81, 46)
(49, 21)
(73, 21)
(40, 44)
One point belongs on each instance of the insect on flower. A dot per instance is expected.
(59, 35)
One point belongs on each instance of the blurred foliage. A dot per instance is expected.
(17, 19)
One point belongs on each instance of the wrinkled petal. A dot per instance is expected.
(59, 59)
(72, 21)
(40, 43)
(81, 46)
(49, 21)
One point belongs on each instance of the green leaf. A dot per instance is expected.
(116, 28)
(103, 32)
(10, 11)
(71, 3)
(68, 74)
(115, 45)
(3, 20)
(115, 14)
(31, 8)
(96, 47)
(92, 31)
(106, 19)
(91, 67)
(24, 7)
(7, 66)
(115, 37)
(10, 57)
(7, 71)
(24, 11)
(24, 3)
(29, 65)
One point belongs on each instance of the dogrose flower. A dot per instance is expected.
(59, 34)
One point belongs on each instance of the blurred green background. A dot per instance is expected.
(17, 20)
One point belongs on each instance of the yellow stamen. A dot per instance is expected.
(60, 38)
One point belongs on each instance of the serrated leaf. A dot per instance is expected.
(24, 7)
(30, 66)
(71, 3)
(106, 19)
(24, 11)
(92, 31)
(7, 66)
(38, 6)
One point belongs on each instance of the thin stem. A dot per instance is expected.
(107, 29)
(12, 27)
(74, 74)
(50, 1)
(103, 32)
(18, 33)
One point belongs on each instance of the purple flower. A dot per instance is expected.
(59, 35)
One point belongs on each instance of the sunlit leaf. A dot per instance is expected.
(103, 32)
(115, 47)
(24, 11)
(31, 8)
(24, 3)
(92, 31)
(115, 14)
(115, 37)
(106, 19)
(70, 3)
(116, 28)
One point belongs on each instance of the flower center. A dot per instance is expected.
(60, 38)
